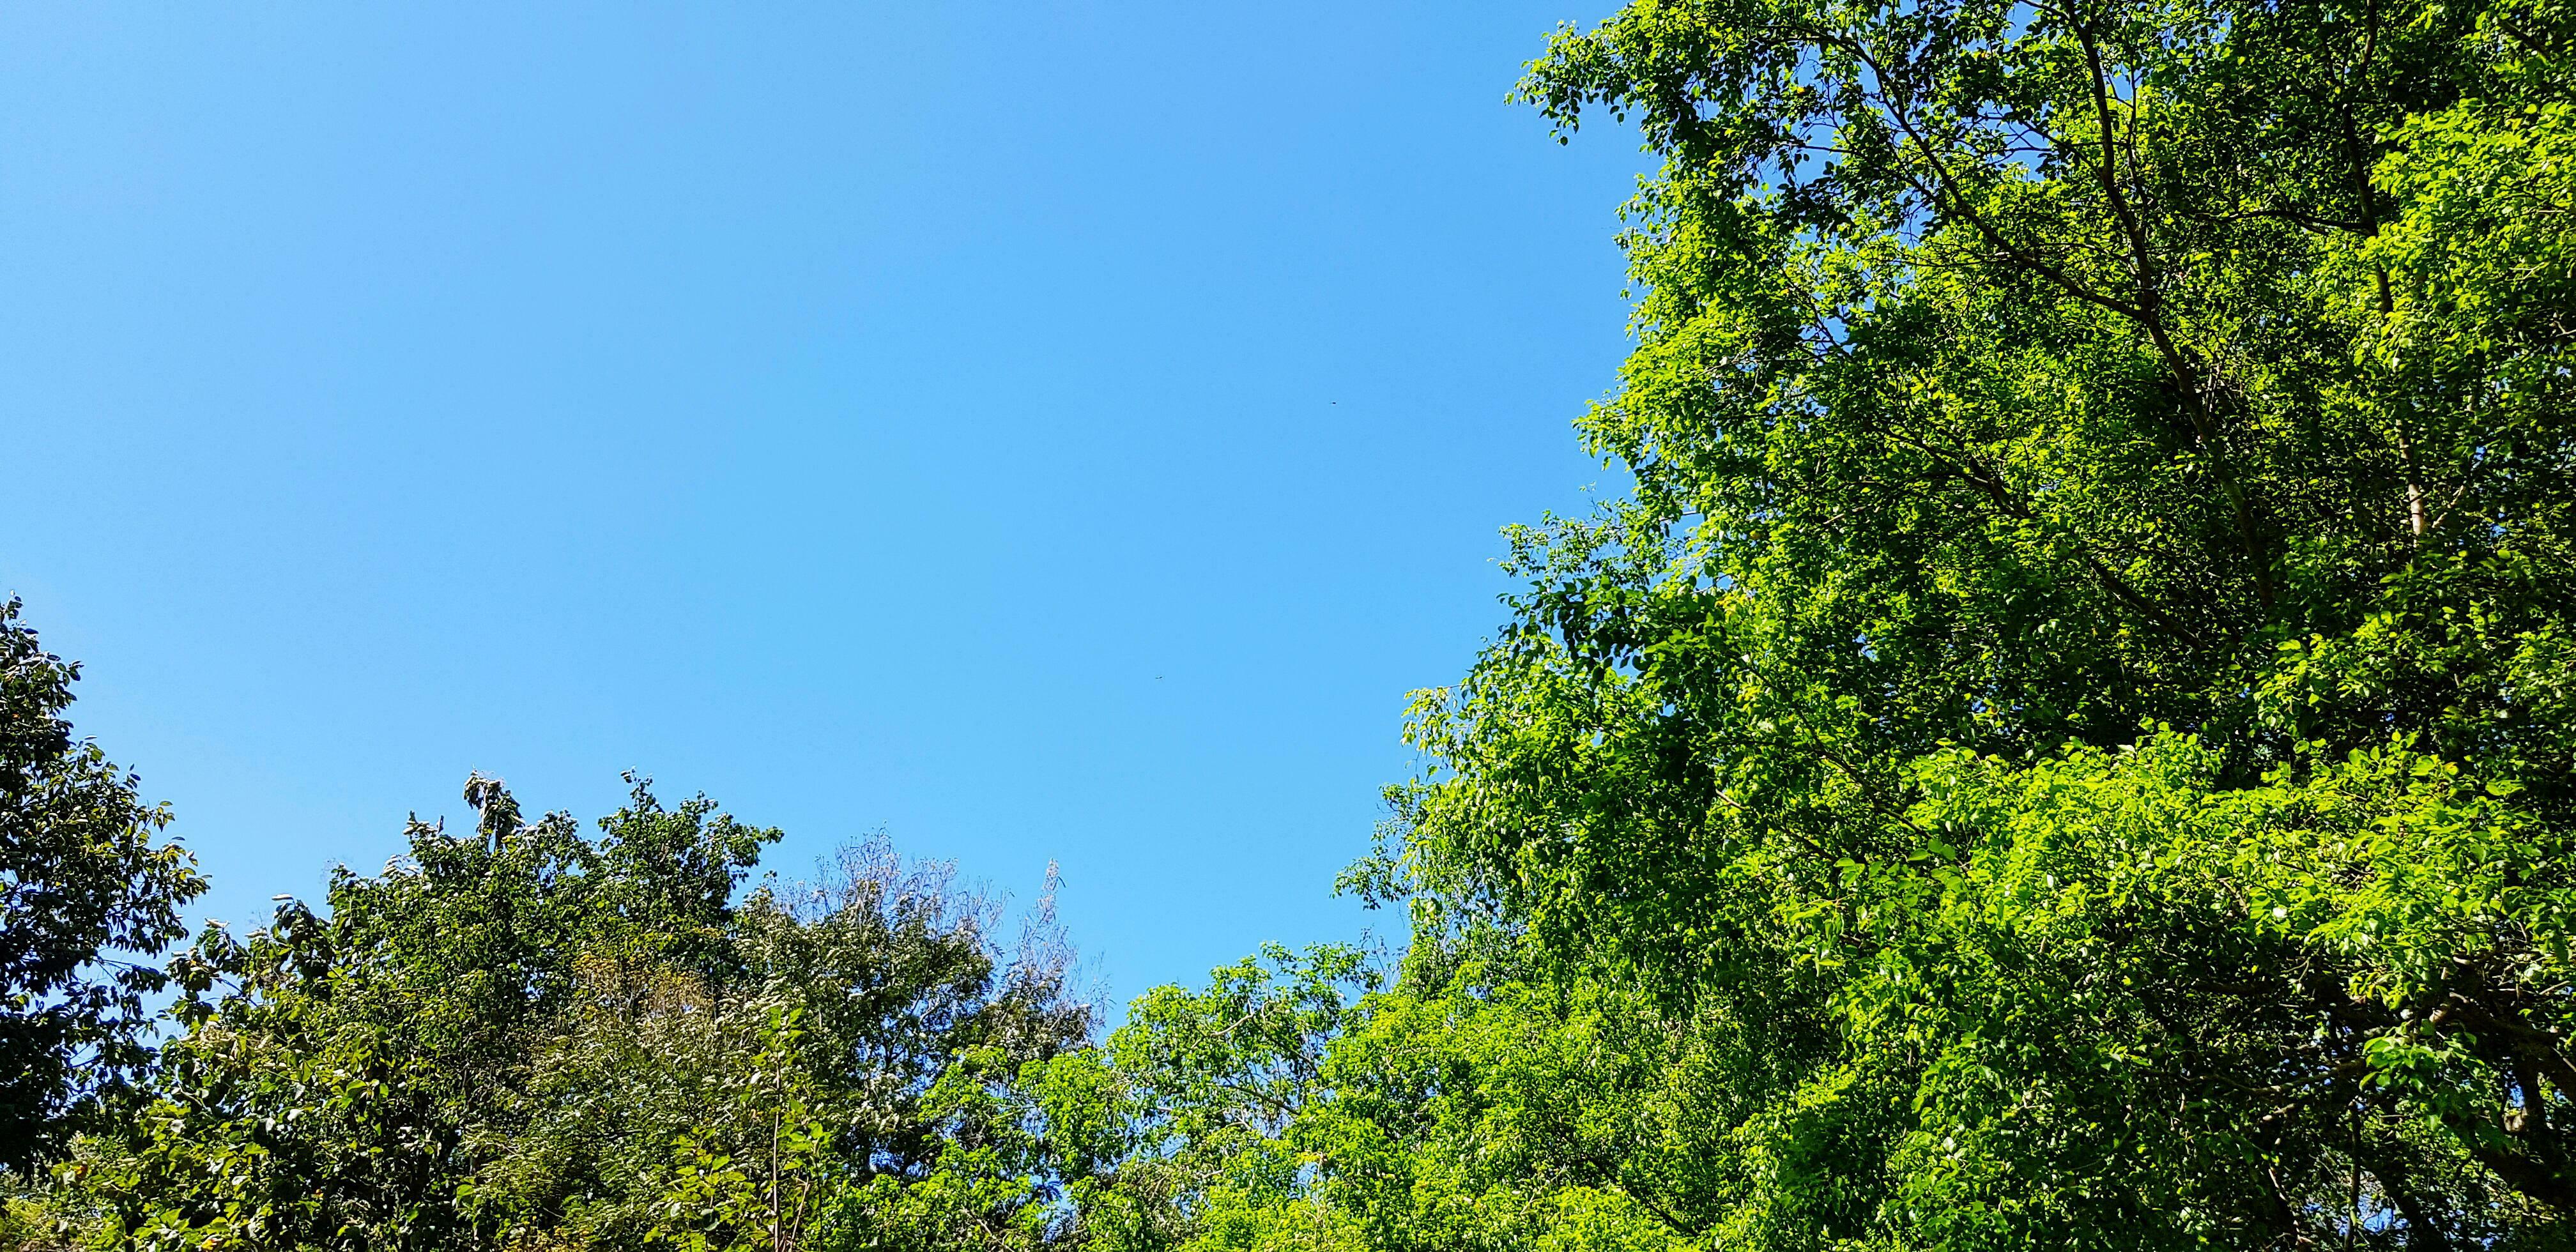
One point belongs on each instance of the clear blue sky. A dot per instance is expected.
(1044, 430)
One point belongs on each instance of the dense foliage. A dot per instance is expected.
(2081, 692)
(2070, 743)
(89, 892)
(524, 1036)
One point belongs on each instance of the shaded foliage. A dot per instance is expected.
(90, 891)
(529, 1037)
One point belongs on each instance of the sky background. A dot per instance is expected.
(1040, 430)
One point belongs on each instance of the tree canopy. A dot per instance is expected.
(2082, 683)
(528, 1036)
(2071, 742)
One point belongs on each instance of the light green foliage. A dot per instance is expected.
(2100, 1001)
(2076, 714)
(2115, 990)
(1176, 1132)
(1294, 1103)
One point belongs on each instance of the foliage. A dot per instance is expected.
(525, 1037)
(2105, 1002)
(1178, 1132)
(1300, 1101)
(89, 892)
(2079, 701)
(2070, 743)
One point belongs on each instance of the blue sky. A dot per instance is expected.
(1044, 431)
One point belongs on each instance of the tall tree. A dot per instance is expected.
(90, 891)
(2084, 692)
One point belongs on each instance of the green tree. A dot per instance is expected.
(1183, 1130)
(528, 1037)
(1300, 1101)
(90, 892)
(2078, 702)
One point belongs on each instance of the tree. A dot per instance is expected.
(89, 893)
(1183, 1130)
(530, 1037)
(2081, 692)
(1302, 1101)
